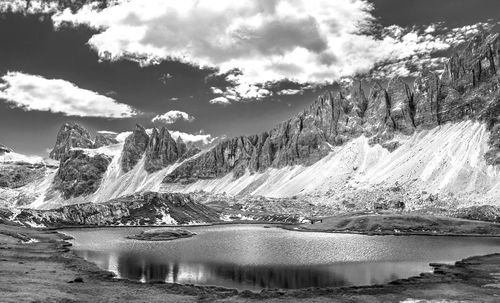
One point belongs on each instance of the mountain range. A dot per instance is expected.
(429, 143)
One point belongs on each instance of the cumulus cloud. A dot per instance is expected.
(36, 93)
(289, 92)
(173, 116)
(267, 40)
(31, 7)
(220, 100)
(192, 138)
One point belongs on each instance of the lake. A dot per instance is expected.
(253, 257)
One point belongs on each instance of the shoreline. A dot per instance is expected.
(443, 274)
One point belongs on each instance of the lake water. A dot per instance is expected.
(253, 257)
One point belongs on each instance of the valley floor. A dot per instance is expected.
(37, 266)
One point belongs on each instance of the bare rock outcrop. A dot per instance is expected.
(468, 89)
(134, 148)
(70, 135)
(80, 174)
(138, 209)
(163, 150)
(105, 139)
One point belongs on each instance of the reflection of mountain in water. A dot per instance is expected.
(144, 268)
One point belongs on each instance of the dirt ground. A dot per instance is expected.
(44, 270)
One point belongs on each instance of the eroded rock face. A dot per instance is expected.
(105, 139)
(138, 209)
(469, 88)
(134, 147)
(80, 174)
(70, 135)
(163, 150)
(19, 175)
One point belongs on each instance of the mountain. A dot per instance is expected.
(431, 142)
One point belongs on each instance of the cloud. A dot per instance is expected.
(289, 92)
(33, 7)
(173, 116)
(220, 100)
(192, 138)
(267, 40)
(36, 93)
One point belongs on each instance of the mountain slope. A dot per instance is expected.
(435, 141)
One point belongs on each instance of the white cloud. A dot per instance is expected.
(34, 7)
(192, 138)
(289, 92)
(173, 116)
(220, 100)
(268, 40)
(36, 93)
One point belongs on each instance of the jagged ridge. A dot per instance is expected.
(467, 89)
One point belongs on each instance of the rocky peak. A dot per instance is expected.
(466, 90)
(70, 135)
(476, 63)
(134, 147)
(163, 150)
(105, 139)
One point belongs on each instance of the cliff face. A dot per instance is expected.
(105, 139)
(80, 174)
(138, 209)
(134, 147)
(70, 135)
(163, 150)
(469, 88)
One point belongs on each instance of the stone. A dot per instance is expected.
(70, 135)
(134, 147)
(80, 174)
(163, 150)
(105, 139)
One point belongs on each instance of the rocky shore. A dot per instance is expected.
(162, 235)
(28, 256)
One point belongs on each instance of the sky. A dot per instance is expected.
(207, 69)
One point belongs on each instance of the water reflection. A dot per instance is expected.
(253, 257)
(148, 268)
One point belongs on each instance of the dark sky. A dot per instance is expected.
(30, 44)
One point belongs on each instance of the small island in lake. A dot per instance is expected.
(162, 234)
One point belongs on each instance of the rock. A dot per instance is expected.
(402, 109)
(163, 150)
(427, 94)
(138, 209)
(70, 135)
(487, 213)
(465, 91)
(162, 234)
(19, 175)
(80, 174)
(76, 280)
(191, 151)
(134, 147)
(105, 139)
